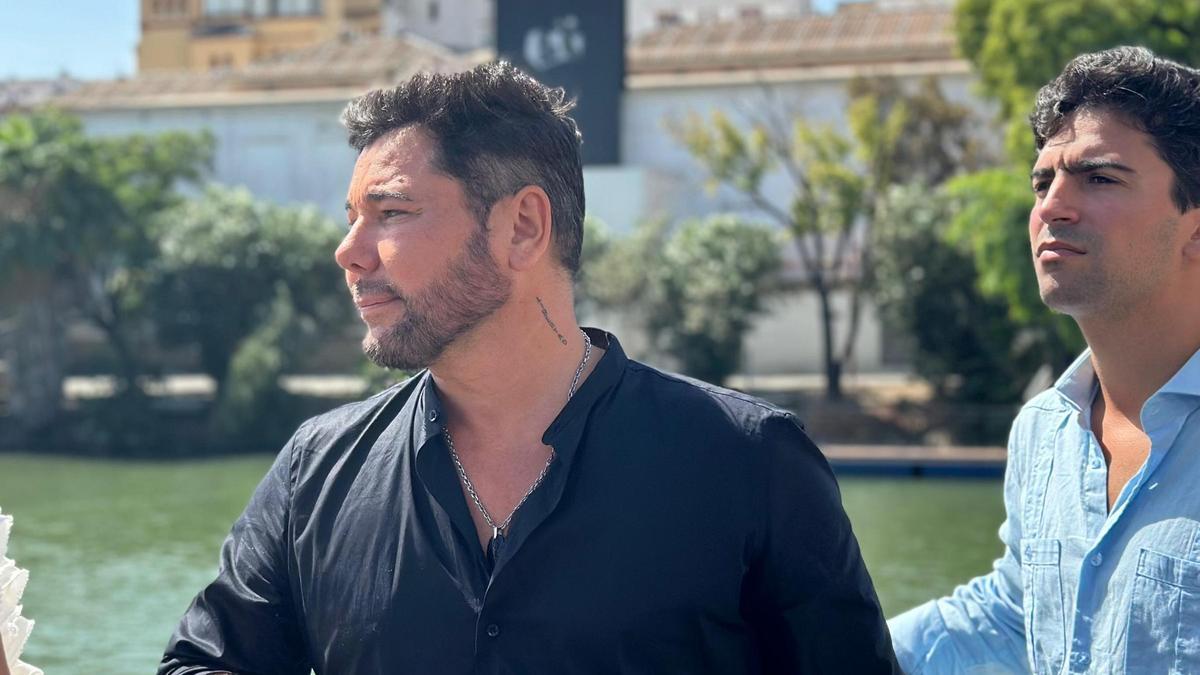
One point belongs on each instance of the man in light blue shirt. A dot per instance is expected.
(1101, 564)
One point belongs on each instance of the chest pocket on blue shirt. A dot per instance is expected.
(1164, 616)
(1045, 625)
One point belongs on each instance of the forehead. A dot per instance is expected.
(399, 157)
(1098, 134)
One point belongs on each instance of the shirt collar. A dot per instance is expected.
(602, 378)
(1185, 381)
(429, 414)
(1078, 383)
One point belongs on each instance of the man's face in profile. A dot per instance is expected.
(417, 261)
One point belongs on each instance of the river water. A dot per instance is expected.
(117, 549)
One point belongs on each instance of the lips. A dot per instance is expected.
(1056, 250)
(364, 302)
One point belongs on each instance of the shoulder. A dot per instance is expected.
(703, 407)
(323, 431)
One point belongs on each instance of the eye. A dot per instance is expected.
(1101, 180)
(1040, 187)
(394, 213)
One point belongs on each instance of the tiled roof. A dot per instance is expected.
(856, 34)
(330, 69)
(25, 94)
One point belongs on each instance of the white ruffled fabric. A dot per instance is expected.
(14, 628)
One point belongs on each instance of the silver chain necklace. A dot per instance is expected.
(498, 530)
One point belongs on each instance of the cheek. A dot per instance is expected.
(390, 255)
(1035, 226)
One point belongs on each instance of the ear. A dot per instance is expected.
(532, 225)
(1191, 247)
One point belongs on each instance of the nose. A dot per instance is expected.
(1060, 204)
(357, 254)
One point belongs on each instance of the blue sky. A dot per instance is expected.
(89, 39)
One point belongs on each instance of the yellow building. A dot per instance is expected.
(201, 35)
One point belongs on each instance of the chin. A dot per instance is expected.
(1074, 305)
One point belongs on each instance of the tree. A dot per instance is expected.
(695, 289)
(1016, 46)
(965, 343)
(939, 139)
(248, 284)
(74, 215)
(837, 183)
(711, 284)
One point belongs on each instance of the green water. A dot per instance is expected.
(116, 550)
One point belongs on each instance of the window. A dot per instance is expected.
(224, 7)
(298, 7)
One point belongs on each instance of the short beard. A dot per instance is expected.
(471, 290)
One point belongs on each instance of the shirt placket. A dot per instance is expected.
(1094, 507)
(1088, 595)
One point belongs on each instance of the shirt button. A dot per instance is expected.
(1097, 559)
(493, 630)
(433, 415)
(1095, 462)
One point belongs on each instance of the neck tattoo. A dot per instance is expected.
(546, 316)
(497, 541)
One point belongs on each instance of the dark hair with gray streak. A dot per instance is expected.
(1156, 96)
(497, 130)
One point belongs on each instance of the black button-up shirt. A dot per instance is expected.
(682, 528)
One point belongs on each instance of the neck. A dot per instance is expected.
(511, 377)
(1134, 356)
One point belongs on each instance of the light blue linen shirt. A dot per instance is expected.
(1079, 589)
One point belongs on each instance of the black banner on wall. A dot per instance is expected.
(578, 45)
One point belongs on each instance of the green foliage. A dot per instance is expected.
(964, 343)
(837, 182)
(696, 289)
(251, 393)
(100, 221)
(79, 206)
(1016, 46)
(48, 190)
(74, 219)
(225, 260)
(713, 278)
(617, 269)
(598, 240)
(931, 138)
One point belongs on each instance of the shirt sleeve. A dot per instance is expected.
(811, 600)
(980, 627)
(245, 621)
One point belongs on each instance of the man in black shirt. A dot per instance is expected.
(534, 502)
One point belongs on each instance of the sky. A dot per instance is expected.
(88, 39)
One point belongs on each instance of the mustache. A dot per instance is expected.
(362, 288)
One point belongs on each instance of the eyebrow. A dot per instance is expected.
(1083, 166)
(383, 195)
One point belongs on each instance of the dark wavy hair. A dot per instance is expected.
(496, 130)
(1157, 96)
